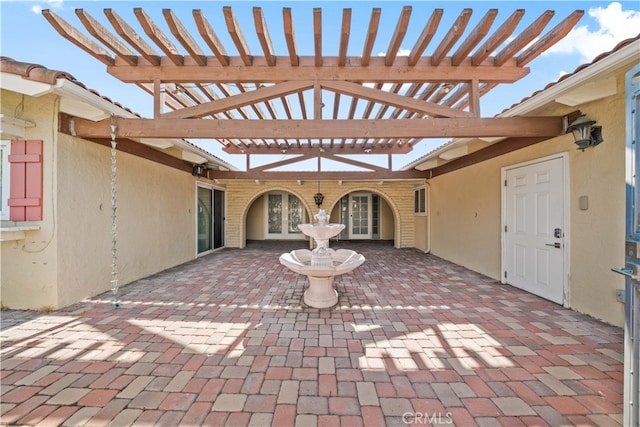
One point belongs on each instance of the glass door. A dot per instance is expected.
(360, 215)
(210, 219)
(205, 220)
(284, 213)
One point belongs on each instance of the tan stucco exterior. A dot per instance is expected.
(465, 210)
(69, 258)
(245, 206)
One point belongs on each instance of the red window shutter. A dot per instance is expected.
(25, 193)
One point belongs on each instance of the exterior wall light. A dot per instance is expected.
(318, 198)
(585, 134)
(198, 170)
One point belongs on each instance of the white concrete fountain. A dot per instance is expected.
(322, 264)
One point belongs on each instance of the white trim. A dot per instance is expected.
(5, 146)
(566, 250)
(426, 209)
(369, 234)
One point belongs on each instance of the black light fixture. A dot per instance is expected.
(198, 170)
(585, 135)
(318, 197)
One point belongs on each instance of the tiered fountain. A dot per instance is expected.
(322, 264)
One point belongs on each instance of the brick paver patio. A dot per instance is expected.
(226, 340)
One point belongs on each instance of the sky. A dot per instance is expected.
(26, 36)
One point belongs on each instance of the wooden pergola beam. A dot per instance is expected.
(260, 71)
(237, 101)
(400, 101)
(324, 175)
(459, 127)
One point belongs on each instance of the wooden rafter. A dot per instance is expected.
(317, 36)
(263, 103)
(182, 35)
(398, 36)
(158, 37)
(426, 36)
(478, 33)
(77, 38)
(452, 36)
(345, 32)
(236, 35)
(105, 37)
(129, 35)
(210, 38)
(263, 36)
(372, 32)
(289, 35)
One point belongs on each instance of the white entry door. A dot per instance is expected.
(360, 216)
(284, 213)
(534, 228)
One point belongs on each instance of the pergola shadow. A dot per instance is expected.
(226, 338)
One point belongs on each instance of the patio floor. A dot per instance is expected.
(226, 340)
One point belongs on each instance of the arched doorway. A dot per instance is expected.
(366, 216)
(275, 215)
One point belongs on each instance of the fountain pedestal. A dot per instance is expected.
(322, 264)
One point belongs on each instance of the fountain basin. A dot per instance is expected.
(321, 293)
(343, 261)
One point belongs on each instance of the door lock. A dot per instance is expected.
(557, 233)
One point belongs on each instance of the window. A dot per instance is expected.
(5, 147)
(420, 201)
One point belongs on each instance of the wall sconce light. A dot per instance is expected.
(198, 170)
(585, 135)
(318, 197)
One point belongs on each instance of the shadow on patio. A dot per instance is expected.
(225, 340)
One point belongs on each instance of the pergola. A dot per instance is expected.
(305, 106)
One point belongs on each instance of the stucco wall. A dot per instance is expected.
(465, 209)
(30, 266)
(241, 194)
(69, 258)
(155, 218)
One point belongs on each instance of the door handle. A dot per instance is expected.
(555, 245)
(626, 271)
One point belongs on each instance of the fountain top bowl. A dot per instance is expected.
(321, 231)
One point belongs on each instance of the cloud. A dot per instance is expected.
(614, 25)
(51, 4)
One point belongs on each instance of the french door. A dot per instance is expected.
(360, 224)
(284, 213)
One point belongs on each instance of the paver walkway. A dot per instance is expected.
(226, 340)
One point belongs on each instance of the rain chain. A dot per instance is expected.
(114, 206)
